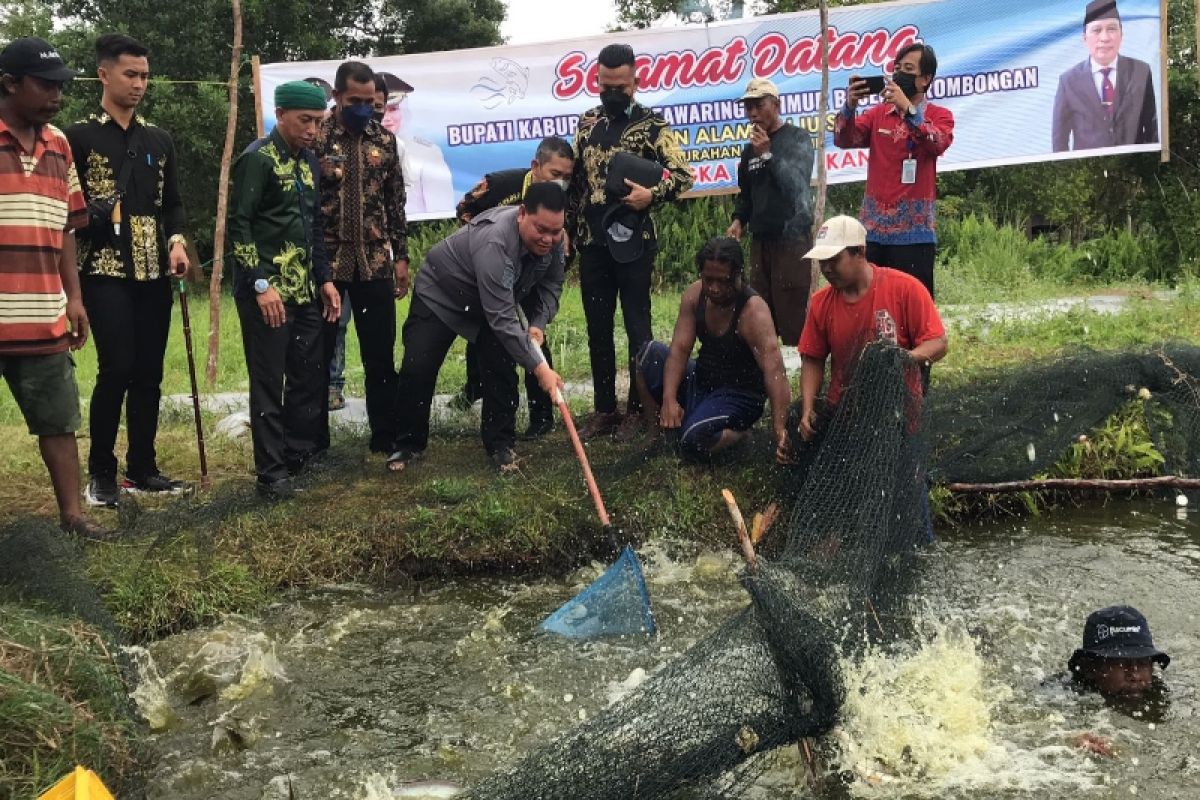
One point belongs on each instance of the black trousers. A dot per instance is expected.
(604, 281)
(289, 386)
(426, 341)
(130, 323)
(374, 309)
(541, 408)
(915, 259)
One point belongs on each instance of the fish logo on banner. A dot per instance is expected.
(505, 86)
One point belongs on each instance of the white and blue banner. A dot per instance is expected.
(1014, 74)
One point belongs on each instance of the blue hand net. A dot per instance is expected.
(615, 604)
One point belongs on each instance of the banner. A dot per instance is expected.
(1010, 72)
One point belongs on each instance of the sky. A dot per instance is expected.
(548, 20)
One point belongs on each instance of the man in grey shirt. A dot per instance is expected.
(473, 285)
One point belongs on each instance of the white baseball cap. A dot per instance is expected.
(835, 236)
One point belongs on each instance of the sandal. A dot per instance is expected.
(399, 460)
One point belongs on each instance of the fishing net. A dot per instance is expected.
(615, 604)
(858, 513)
(769, 676)
(1016, 423)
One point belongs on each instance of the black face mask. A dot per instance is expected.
(355, 117)
(615, 102)
(377, 116)
(907, 83)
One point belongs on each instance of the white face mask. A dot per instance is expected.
(561, 183)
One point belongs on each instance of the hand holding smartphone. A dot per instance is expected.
(875, 83)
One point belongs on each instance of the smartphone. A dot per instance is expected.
(875, 83)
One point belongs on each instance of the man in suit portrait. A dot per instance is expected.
(1107, 100)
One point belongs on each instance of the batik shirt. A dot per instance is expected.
(151, 207)
(275, 221)
(362, 201)
(643, 132)
(894, 212)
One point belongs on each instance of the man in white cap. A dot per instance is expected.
(775, 203)
(862, 303)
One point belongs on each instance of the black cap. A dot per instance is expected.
(1100, 9)
(37, 57)
(1117, 632)
(624, 228)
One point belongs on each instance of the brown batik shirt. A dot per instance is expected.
(362, 201)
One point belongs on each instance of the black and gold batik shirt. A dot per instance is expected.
(151, 209)
(642, 132)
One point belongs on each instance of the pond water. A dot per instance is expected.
(349, 692)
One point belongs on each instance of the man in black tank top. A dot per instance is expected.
(716, 398)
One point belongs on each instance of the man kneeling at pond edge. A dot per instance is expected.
(473, 284)
(715, 399)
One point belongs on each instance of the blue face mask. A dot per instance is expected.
(356, 116)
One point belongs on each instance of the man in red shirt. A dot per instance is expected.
(906, 134)
(862, 303)
(42, 316)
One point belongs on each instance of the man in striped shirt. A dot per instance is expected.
(41, 312)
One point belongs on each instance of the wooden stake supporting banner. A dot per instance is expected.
(1165, 68)
(822, 114)
(214, 284)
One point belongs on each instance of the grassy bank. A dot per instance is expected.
(62, 702)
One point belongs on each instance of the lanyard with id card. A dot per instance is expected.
(908, 167)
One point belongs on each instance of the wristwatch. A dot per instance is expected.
(177, 239)
(261, 285)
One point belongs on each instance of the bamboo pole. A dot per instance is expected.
(823, 114)
(256, 83)
(1076, 484)
(214, 284)
(823, 111)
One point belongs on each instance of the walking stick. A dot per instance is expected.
(191, 359)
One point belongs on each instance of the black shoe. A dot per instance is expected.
(309, 462)
(538, 429)
(504, 459)
(277, 490)
(154, 484)
(102, 491)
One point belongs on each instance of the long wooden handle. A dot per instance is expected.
(743, 535)
(191, 359)
(581, 454)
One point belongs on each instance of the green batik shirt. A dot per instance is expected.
(275, 221)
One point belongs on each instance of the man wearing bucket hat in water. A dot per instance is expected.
(1117, 661)
(1118, 654)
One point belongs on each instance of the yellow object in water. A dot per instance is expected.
(82, 784)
